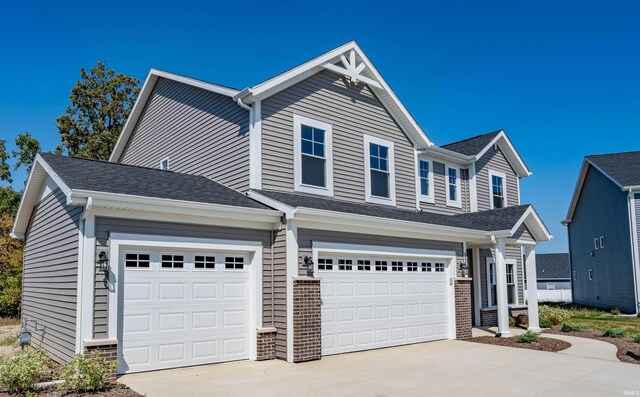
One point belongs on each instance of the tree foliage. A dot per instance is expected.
(100, 104)
(5, 169)
(10, 269)
(28, 147)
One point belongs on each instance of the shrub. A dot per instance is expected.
(613, 332)
(512, 322)
(20, 370)
(545, 324)
(570, 327)
(636, 338)
(527, 337)
(553, 315)
(615, 312)
(87, 373)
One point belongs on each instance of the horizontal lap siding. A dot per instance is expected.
(602, 210)
(279, 293)
(51, 275)
(496, 161)
(201, 132)
(105, 226)
(353, 111)
(523, 233)
(440, 191)
(511, 253)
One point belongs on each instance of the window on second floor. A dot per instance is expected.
(497, 181)
(425, 180)
(453, 186)
(164, 165)
(379, 171)
(313, 159)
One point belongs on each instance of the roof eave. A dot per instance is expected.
(516, 162)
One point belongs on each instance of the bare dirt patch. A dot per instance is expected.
(628, 350)
(543, 344)
(113, 390)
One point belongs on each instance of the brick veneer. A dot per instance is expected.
(463, 308)
(266, 341)
(108, 350)
(306, 319)
(489, 316)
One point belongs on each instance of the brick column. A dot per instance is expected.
(463, 308)
(108, 350)
(266, 340)
(306, 319)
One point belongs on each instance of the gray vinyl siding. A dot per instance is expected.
(279, 318)
(512, 252)
(353, 111)
(50, 283)
(201, 132)
(523, 233)
(105, 226)
(602, 210)
(306, 237)
(637, 209)
(441, 189)
(496, 161)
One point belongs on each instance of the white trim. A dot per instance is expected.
(501, 289)
(298, 121)
(532, 293)
(502, 175)
(416, 155)
(368, 139)
(86, 279)
(491, 261)
(477, 290)
(488, 262)
(78, 345)
(194, 244)
(458, 202)
(473, 188)
(635, 249)
(255, 146)
(518, 187)
(291, 238)
(288, 211)
(537, 228)
(168, 164)
(516, 161)
(430, 198)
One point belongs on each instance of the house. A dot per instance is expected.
(554, 277)
(305, 216)
(602, 223)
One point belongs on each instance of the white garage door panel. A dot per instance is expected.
(371, 309)
(184, 316)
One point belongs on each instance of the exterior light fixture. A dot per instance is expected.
(103, 262)
(464, 270)
(309, 262)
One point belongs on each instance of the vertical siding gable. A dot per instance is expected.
(201, 132)
(50, 282)
(495, 160)
(353, 111)
(602, 210)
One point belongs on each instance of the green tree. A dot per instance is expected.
(28, 147)
(100, 104)
(9, 200)
(5, 169)
(10, 269)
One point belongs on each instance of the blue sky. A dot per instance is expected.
(561, 77)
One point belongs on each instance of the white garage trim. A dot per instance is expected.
(327, 248)
(169, 242)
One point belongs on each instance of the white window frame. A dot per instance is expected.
(601, 241)
(590, 274)
(596, 243)
(298, 121)
(502, 175)
(162, 164)
(490, 261)
(575, 275)
(551, 286)
(430, 198)
(205, 269)
(367, 172)
(458, 202)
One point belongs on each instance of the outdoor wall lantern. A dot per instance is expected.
(464, 270)
(103, 262)
(309, 262)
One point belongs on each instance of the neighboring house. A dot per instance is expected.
(305, 216)
(554, 277)
(602, 223)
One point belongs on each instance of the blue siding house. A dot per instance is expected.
(602, 224)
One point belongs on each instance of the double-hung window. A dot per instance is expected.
(425, 180)
(497, 181)
(313, 159)
(512, 291)
(379, 171)
(453, 186)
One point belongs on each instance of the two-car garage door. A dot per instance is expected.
(370, 302)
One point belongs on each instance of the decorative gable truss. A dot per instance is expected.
(352, 70)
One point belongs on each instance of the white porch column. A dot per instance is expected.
(532, 287)
(501, 290)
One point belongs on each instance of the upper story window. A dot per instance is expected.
(313, 159)
(164, 165)
(425, 180)
(497, 181)
(453, 186)
(379, 171)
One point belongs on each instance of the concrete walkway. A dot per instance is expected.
(444, 368)
(580, 347)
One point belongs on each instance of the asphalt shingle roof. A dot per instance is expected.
(491, 220)
(623, 167)
(473, 145)
(553, 266)
(103, 176)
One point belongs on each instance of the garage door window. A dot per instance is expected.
(439, 267)
(364, 265)
(345, 264)
(325, 264)
(412, 266)
(426, 266)
(170, 261)
(234, 263)
(381, 266)
(396, 266)
(204, 262)
(137, 260)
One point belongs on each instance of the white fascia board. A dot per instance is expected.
(634, 189)
(447, 155)
(218, 89)
(154, 204)
(537, 227)
(37, 177)
(502, 139)
(288, 211)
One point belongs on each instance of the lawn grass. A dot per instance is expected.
(7, 321)
(598, 320)
(8, 340)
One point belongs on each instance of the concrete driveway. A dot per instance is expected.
(446, 368)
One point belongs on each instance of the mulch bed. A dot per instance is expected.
(114, 390)
(628, 350)
(543, 344)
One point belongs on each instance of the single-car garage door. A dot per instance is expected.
(183, 308)
(369, 302)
